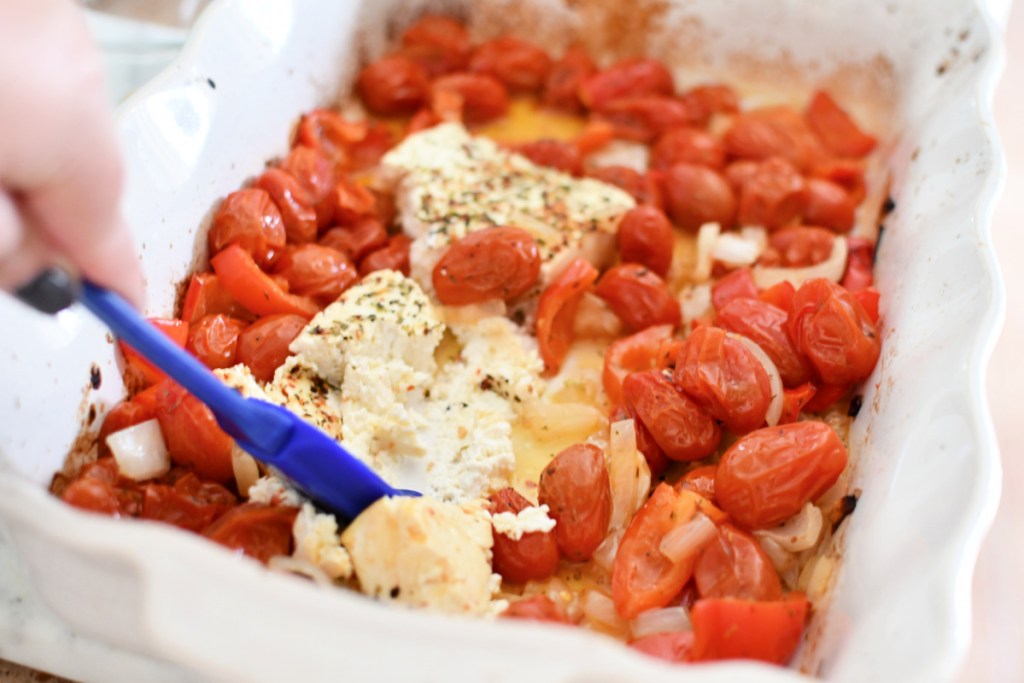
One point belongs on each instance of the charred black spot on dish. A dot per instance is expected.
(843, 508)
(855, 405)
(878, 243)
(95, 378)
(889, 206)
(209, 82)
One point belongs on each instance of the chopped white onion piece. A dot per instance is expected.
(599, 607)
(293, 565)
(549, 420)
(735, 250)
(663, 620)
(831, 268)
(595, 319)
(247, 472)
(774, 378)
(687, 539)
(757, 235)
(800, 532)
(781, 559)
(604, 556)
(695, 302)
(140, 451)
(628, 472)
(707, 236)
(816, 576)
(633, 155)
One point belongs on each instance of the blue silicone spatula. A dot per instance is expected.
(313, 462)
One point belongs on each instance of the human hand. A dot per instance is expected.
(60, 167)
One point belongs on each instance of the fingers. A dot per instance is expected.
(64, 165)
(22, 251)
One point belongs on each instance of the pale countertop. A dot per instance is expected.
(997, 649)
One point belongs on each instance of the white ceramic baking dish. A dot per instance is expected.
(919, 73)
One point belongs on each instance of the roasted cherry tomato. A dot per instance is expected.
(724, 378)
(679, 426)
(530, 558)
(497, 263)
(480, 98)
(147, 373)
(794, 400)
(316, 176)
(638, 296)
(700, 480)
(688, 146)
(773, 132)
(100, 488)
(393, 85)
(206, 296)
(250, 219)
(355, 241)
(738, 172)
(258, 531)
(520, 65)
(836, 129)
(868, 299)
(331, 135)
(316, 271)
(254, 289)
(556, 312)
(830, 327)
(696, 195)
(562, 85)
(352, 202)
(779, 295)
(645, 237)
(576, 489)
(263, 346)
(556, 154)
(537, 608)
(798, 246)
(645, 117)
(847, 173)
(859, 264)
(393, 256)
(438, 44)
(746, 629)
(643, 577)
(828, 205)
(628, 78)
(735, 566)
(644, 188)
(192, 435)
(704, 101)
(774, 195)
(214, 340)
(739, 284)
(765, 325)
(297, 211)
(189, 503)
(635, 353)
(767, 476)
(673, 646)
(645, 443)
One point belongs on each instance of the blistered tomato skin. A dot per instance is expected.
(645, 237)
(259, 531)
(479, 97)
(679, 426)
(497, 263)
(831, 328)
(439, 44)
(767, 476)
(774, 195)
(557, 154)
(565, 77)
(687, 146)
(695, 195)
(213, 339)
(773, 132)
(769, 631)
(735, 566)
(263, 346)
(316, 271)
(192, 435)
(520, 65)
(532, 557)
(628, 78)
(577, 491)
(393, 85)
(765, 325)
(724, 378)
(638, 296)
(250, 219)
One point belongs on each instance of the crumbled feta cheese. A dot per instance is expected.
(449, 184)
(298, 388)
(425, 553)
(317, 542)
(272, 490)
(385, 316)
(239, 377)
(527, 520)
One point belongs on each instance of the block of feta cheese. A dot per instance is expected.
(384, 316)
(424, 553)
(297, 387)
(240, 378)
(448, 183)
(317, 542)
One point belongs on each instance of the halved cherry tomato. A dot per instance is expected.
(779, 295)
(192, 435)
(828, 205)
(773, 196)
(520, 65)
(532, 557)
(681, 429)
(628, 78)
(258, 531)
(567, 73)
(316, 271)
(189, 503)
(735, 566)
(725, 628)
(739, 284)
(700, 480)
(250, 219)
(724, 378)
(439, 44)
(214, 340)
(556, 311)
(672, 646)
(798, 246)
(830, 327)
(645, 237)
(836, 129)
(773, 132)
(331, 135)
(206, 296)
(638, 296)
(767, 476)
(392, 256)
(481, 98)
(355, 241)
(635, 353)
(352, 202)
(644, 188)
(254, 289)
(149, 374)
(859, 264)
(557, 154)
(704, 101)
(577, 491)
(642, 577)
(765, 325)
(263, 346)
(696, 195)
(688, 146)
(793, 402)
(393, 85)
(315, 174)
(496, 263)
(297, 212)
(537, 608)
(643, 118)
